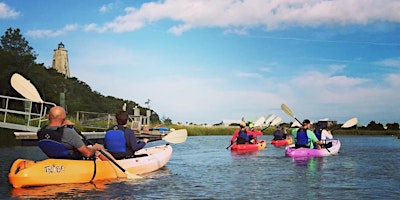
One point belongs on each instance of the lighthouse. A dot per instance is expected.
(60, 60)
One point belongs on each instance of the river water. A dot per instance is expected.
(367, 167)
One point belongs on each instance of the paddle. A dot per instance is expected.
(174, 137)
(29, 91)
(349, 123)
(272, 122)
(128, 174)
(289, 112)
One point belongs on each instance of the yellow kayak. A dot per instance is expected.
(25, 173)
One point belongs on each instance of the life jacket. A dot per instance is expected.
(302, 138)
(50, 144)
(318, 132)
(117, 143)
(278, 135)
(242, 138)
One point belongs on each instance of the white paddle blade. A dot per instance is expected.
(269, 119)
(349, 123)
(296, 124)
(175, 137)
(259, 121)
(287, 110)
(25, 88)
(276, 121)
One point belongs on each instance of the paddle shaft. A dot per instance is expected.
(101, 151)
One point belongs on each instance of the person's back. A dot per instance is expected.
(121, 141)
(240, 135)
(56, 132)
(253, 133)
(305, 137)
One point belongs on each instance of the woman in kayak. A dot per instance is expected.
(304, 137)
(240, 135)
(121, 141)
(253, 133)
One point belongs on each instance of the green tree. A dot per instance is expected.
(18, 48)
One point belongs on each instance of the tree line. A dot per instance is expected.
(17, 56)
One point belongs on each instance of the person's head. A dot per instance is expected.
(122, 117)
(242, 125)
(306, 123)
(57, 116)
(251, 125)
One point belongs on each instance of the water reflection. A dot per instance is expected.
(65, 191)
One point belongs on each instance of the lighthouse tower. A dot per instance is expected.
(60, 60)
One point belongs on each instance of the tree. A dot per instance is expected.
(394, 126)
(374, 126)
(13, 43)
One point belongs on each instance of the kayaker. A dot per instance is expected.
(322, 133)
(304, 137)
(120, 140)
(280, 133)
(240, 135)
(253, 133)
(60, 130)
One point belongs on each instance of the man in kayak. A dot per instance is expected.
(58, 131)
(121, 141)
(280, 133)
(253, 133)
(304, 137)
(240, 135)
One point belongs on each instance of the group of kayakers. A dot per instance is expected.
(313, 139)
(303, 136)
(244, 135)
(60, 139)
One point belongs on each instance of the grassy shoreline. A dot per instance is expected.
(217, 130)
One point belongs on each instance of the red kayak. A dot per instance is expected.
(249, 147)
(284, 142)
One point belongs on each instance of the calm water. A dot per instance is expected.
(201, 168)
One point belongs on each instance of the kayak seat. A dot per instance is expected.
(53, 149)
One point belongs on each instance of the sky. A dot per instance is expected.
(204, 61)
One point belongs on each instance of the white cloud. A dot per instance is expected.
(106, 7)
(50, 33)
(390, 62)
(7, 12)
(236, 15)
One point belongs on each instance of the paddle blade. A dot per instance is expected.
(276, 121)
(349, 123)
(132, 176)
(175, 137)
(287, 110)
(259, 121)
(25, 88)
(269, 119)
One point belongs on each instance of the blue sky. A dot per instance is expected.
(203, 61)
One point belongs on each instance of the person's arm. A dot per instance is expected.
(326, 134)
(135, 144)
(75, 140)
(89, 151)
(234, 136)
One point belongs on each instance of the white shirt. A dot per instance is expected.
(326, 134)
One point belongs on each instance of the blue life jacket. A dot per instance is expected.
(242, 138)
(302, 138)
(278, 135)
(115, 141)
(318, 135)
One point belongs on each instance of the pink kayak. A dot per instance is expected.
(291, 151)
